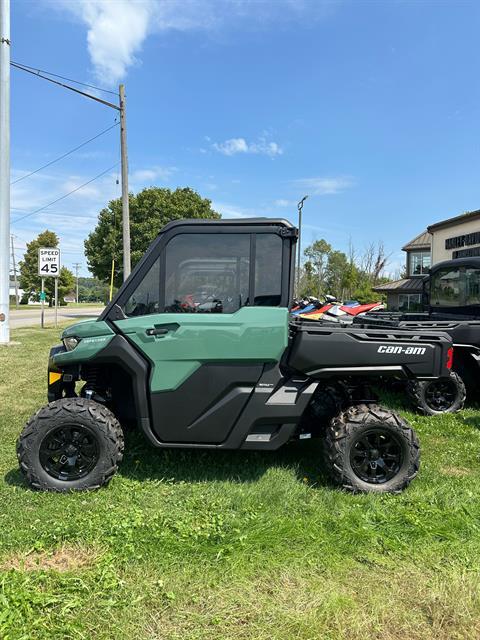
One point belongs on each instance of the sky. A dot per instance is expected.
(372, 109)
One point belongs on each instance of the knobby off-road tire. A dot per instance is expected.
(368, 448)
(434, 397)
(72, 444)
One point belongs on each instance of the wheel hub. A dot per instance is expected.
(376, 456)
(69, 452)
(440, 395)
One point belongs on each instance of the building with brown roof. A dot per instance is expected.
(457, 237)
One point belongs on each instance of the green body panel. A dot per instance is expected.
(94, 335)
(252, 334)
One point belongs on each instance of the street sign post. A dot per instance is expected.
(48, 266)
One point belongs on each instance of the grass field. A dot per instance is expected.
(230, 545)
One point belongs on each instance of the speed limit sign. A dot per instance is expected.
(48, 262)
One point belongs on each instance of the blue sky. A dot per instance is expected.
(371, 108)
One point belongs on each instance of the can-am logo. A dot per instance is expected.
(407, 351)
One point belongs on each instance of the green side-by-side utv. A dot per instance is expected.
(198, 349)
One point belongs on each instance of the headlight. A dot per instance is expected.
(70, 343)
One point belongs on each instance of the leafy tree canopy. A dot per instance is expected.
(150, 210)
(92, 290)
(329, 271)
(31, 282)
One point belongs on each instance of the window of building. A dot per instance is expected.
(419, 263)
(410, 302)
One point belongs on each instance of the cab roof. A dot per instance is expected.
(225, 222)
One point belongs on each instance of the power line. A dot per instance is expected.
(65, 154)
(15, 65)
(65, 195)
(55, 75)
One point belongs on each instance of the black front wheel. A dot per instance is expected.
(72, 444)
(442, 395)
(371, 449)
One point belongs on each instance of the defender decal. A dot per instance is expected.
(408, 351)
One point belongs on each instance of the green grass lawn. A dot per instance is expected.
(195, 545)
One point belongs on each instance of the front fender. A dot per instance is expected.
(60, 380)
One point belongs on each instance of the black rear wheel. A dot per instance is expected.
(442, 395)
(72, 444)
(371, 449)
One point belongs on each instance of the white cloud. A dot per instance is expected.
(232, 146)
(117, 29)
(89, 191)
(233, 211)
(325, 185)
(281, 202)
(151, 174)
(116, 32)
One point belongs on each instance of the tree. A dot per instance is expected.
(351, 276)
(341, 275)
(317, 253)
(31, 282)
(92, 290)
(150, 210)
(308, 282)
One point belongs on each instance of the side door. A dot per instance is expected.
(208, 314)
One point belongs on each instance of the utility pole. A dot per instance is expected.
(125, 203)
(299, 243)
(14, 274)
(4, 170)
(76, 266)
(121, 108)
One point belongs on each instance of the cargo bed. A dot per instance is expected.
(321, 349)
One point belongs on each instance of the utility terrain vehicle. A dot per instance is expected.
(451, 299)
(198, 349)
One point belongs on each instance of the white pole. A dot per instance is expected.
(56, 301)
(42, 321)
(4, 170)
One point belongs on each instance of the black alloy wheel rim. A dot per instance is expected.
(69, 452)
(440, 395)
(376, 456)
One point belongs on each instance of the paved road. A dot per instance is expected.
(31, 318)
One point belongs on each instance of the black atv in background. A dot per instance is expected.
(451, 299)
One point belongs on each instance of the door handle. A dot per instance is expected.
(157, 331)
(162, 329)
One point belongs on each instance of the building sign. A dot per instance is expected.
(466, 253)
(48, 262)
(462, 241)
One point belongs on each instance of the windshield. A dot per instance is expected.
(455, 287)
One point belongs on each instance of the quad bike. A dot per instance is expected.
(242, 374)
